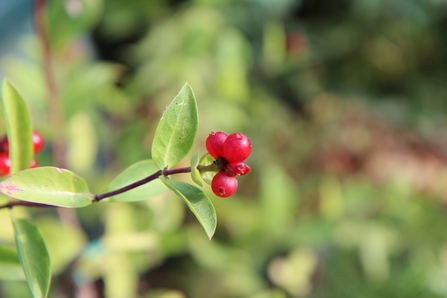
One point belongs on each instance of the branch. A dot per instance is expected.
(143, 181)
(25, 204)
(99, 197)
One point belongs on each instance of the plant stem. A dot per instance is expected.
(25, 204)
(123, 189)
(143, 181)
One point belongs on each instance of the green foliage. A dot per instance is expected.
(133, 173)
(197, 202)
(48, 185)
(33, 256)
(59, 187)
(18, 127)
(195, 173)
(207, 160)
(176, 130)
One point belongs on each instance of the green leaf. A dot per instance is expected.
(195, 174)
(18, 128)
(197, 201)
(10, 267)
(48, 185)
(33, 256)
(176, 130)
(207, 160)
(133, 173)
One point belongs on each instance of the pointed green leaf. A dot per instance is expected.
(176, 130)
(134, 173)
(18, 128)
(10, 267)
(195, 174)
(197, 201)
(33, 256)
(48, 185)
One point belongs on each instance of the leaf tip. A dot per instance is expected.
(6, 84)
(187, 86)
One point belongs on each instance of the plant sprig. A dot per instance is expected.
(58, 187)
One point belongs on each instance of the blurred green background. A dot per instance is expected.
(345, 103)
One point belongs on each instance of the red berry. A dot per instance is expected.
(34, 163)
(214, 143)
(37, 142)
(223, 185)
(5, 164)
(237, 147)
(239, 168)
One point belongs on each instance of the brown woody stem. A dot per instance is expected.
(120, 190)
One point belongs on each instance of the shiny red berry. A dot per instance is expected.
(224, 185)
(239, 168)
(237, 147)
(38, 142)
(214, 143)
(5, 164)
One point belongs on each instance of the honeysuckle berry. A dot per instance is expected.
(239, 168)
(230, 151)
(5, 164)
(38, 142)
(236, 148)
(214, 143)
(224, 185)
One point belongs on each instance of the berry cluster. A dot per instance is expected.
(230, 152)
(5, 163)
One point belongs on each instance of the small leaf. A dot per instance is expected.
(176, 130)
(18, 128)
(33, 256)
(10, 267)
(195, 174)
(207, 160)
(197, 202)
(134, 173)
(48, 185)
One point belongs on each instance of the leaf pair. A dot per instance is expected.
(173, 140)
